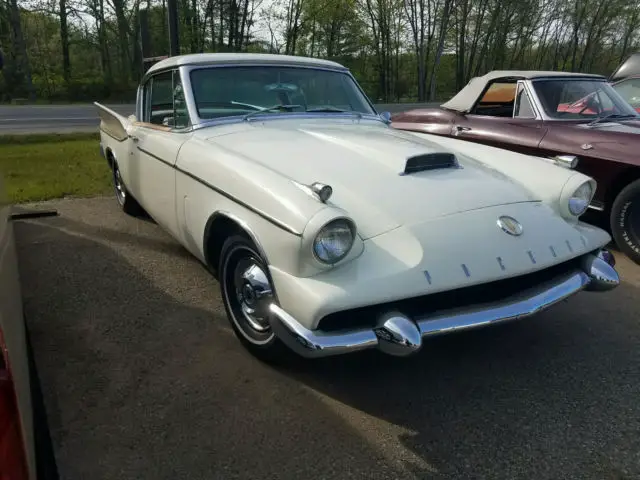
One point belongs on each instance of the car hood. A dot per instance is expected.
(363, 165)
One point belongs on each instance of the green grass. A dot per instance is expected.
(44, 167)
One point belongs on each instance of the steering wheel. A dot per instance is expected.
(591, 102)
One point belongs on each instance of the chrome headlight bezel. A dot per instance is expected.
(342, 223)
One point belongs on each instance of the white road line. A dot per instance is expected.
(39, 119)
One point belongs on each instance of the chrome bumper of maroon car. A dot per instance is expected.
(399, 335)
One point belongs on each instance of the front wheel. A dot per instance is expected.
(247, 292)
(625, 221)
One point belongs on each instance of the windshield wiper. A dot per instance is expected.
(275, 108)
(607, 117)
(330, 108)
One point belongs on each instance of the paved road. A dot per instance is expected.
(84, 118)
(143, 379)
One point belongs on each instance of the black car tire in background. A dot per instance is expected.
(625, 221)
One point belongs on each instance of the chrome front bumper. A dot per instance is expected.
(399, 335)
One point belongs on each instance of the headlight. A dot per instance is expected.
(334, 241)
(579, 201)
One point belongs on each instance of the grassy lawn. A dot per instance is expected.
(42, 167)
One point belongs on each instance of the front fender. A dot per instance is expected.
(269, 206)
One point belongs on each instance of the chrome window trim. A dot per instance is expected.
(534, 107)
(140, 99)
(285, 116)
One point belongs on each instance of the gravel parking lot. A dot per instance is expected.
(143, 379)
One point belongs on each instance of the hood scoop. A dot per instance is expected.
(430, 161)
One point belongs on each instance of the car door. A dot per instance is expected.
(505, 117)
(157, 138)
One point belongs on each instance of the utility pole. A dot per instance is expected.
(172, 10)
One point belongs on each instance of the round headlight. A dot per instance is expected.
(334, 241)
(579, 201)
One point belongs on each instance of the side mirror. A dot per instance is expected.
(386, 117)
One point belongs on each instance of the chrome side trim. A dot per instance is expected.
(234, 199)
(398, 335)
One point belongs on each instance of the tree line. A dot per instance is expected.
(399, 50)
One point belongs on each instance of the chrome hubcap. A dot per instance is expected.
(120, 191)
(253, 292)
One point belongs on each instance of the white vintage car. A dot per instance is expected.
(331, 232)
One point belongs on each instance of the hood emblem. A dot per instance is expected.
(510, 225)
(586, 146)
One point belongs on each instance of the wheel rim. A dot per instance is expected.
(248, 293)
(121, 192)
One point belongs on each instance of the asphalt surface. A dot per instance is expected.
(84, 118)
(53, 118)
(143, 379)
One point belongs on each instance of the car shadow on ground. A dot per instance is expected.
(145, 386)
(553, 396)
(139, 384)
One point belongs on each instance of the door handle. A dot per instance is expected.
(134, 138)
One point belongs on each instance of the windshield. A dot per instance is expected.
(231, 91)
(567, 99)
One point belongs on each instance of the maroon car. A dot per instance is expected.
(579, 119)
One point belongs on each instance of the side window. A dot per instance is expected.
(498, 100)
(523, 107)
(161, 98)
(164, 101)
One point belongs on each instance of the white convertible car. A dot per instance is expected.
(331, 232)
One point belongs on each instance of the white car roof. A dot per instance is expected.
(240, 58)
(464, 100)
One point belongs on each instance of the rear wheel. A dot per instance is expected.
(247, 292)
(126, 201)
(625, 221)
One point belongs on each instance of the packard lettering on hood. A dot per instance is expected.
(328, 230)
